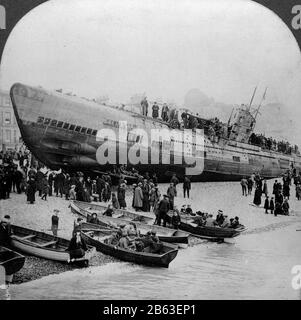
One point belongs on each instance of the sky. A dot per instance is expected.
(119, 48)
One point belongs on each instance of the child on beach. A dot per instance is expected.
(266, 204)
(55, 222)
(45, 190)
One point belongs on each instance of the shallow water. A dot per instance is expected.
(256, 266)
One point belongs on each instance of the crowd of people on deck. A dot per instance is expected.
(213, 128)
(272, 144)
(278, 203)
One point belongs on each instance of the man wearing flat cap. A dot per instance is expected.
(220, 217)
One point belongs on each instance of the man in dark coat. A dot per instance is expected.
(100, 184)
(155, 113)
(31, 190)
(60, 184)
(250, 185)
(39, 181)
(121, 196)
(163, 208)
(171, 193)
(50, 183)
(145, 191)
(79, 189)
(286, 190)
(18, 179)
(186, 186)
(275, 187)
(67, 186)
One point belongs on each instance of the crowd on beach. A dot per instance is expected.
(278, 203)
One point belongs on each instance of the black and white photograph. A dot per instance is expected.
(149, 150)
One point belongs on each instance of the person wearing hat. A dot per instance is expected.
(77, 226)
(138, 197)
(5, 231)
(163, 208)
(121, 195)
(226, 222)
(210, 222)
(219, 217)
(164, 112)
(171, 193)
(155, 113)
(186, 186)
(55, 222)
(176, 218)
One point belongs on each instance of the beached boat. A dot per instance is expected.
(45, 246)
(164, 234)
(118, 213)
(97, 238)
(210, 232)
(11, 261)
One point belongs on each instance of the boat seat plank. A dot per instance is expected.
(30, 236)
(120, 215)
(47, 243)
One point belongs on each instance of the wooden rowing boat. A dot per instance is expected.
(164, 234)
(118, 213)
(97, 239)
(11, 261)
(210, 232)
(45, 246)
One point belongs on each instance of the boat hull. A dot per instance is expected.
(57, 253)
(211, 232)
(143, 258)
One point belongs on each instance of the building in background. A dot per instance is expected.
(10, 137)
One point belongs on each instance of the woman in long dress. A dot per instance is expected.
(257, 196)
(31, 190)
